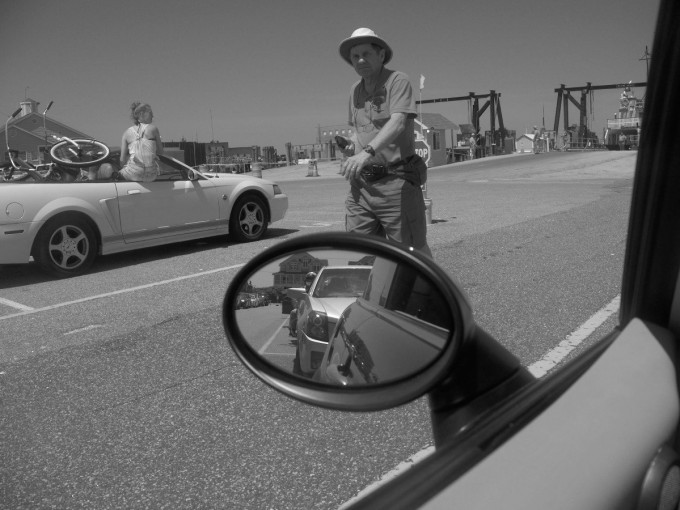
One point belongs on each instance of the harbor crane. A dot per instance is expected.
(493, 101)
(564, 97)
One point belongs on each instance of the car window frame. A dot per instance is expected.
(165, 161)
(652, 262)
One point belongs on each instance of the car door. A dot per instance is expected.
(170, 206)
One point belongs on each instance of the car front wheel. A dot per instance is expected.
(66, 246)
(248, 221)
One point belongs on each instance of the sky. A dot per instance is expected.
(268, 72)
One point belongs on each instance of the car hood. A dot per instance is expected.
(334, 306)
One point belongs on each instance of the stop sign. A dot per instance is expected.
(422, 147)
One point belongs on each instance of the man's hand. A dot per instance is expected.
(351, 167)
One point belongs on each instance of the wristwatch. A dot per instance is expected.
(370, 150)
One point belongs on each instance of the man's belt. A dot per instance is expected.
(373, 173)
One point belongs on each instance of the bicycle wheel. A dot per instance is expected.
(79, 153)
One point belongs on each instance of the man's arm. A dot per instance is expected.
(390, 131)
(387, 134)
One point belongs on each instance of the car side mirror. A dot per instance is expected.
(376, 343)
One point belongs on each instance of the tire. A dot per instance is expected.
(248, 219)
(66, 246)
(85, 153)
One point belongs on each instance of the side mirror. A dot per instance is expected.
(384, 328)
(194, 175)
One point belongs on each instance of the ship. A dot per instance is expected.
(623, 131)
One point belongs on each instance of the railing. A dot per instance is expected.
(632, 122)
(633, 140)
(580, 143)
(224, 168)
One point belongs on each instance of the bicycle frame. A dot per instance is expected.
(60, 168)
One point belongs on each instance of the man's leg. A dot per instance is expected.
(401, 211)
(359, 217)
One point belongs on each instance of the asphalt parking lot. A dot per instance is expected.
(119, 391)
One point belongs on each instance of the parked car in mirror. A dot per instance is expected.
(395, 329)
(318, 310)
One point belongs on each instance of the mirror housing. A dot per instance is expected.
(368, 397)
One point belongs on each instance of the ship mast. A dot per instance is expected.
(647, 56)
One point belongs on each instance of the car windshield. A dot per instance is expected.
(333, 283)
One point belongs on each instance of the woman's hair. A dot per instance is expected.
(136, 110)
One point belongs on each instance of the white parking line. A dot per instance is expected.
(28, 310)
(14, 304)
(86, 328)
(264, 348)
(538, 369)
(557, 354)
(314, 225)
(401, 468)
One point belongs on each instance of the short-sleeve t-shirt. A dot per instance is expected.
(368, 113)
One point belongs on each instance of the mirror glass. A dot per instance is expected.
(343, 318)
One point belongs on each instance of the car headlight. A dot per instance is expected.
(317, 326)
(277, 190)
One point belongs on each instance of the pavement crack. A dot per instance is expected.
(158, 391)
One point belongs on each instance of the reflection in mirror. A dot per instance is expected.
(363, 320)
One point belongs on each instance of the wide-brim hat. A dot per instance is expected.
(364, 36)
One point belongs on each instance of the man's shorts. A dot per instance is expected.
(391, 207)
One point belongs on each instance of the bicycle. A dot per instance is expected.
(66, 154)
(78, 153)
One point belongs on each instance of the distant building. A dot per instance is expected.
(31, 135)
(328, 133)
(325, 146)
(430, 130)
(293, 270)
(434, 129)
(525, 143)
(214, 152)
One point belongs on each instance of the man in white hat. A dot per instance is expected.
(384, 172)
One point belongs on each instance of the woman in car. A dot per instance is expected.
(140, 146)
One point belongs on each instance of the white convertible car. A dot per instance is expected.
(64, 226)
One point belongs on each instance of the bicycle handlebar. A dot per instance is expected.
(69, 140)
